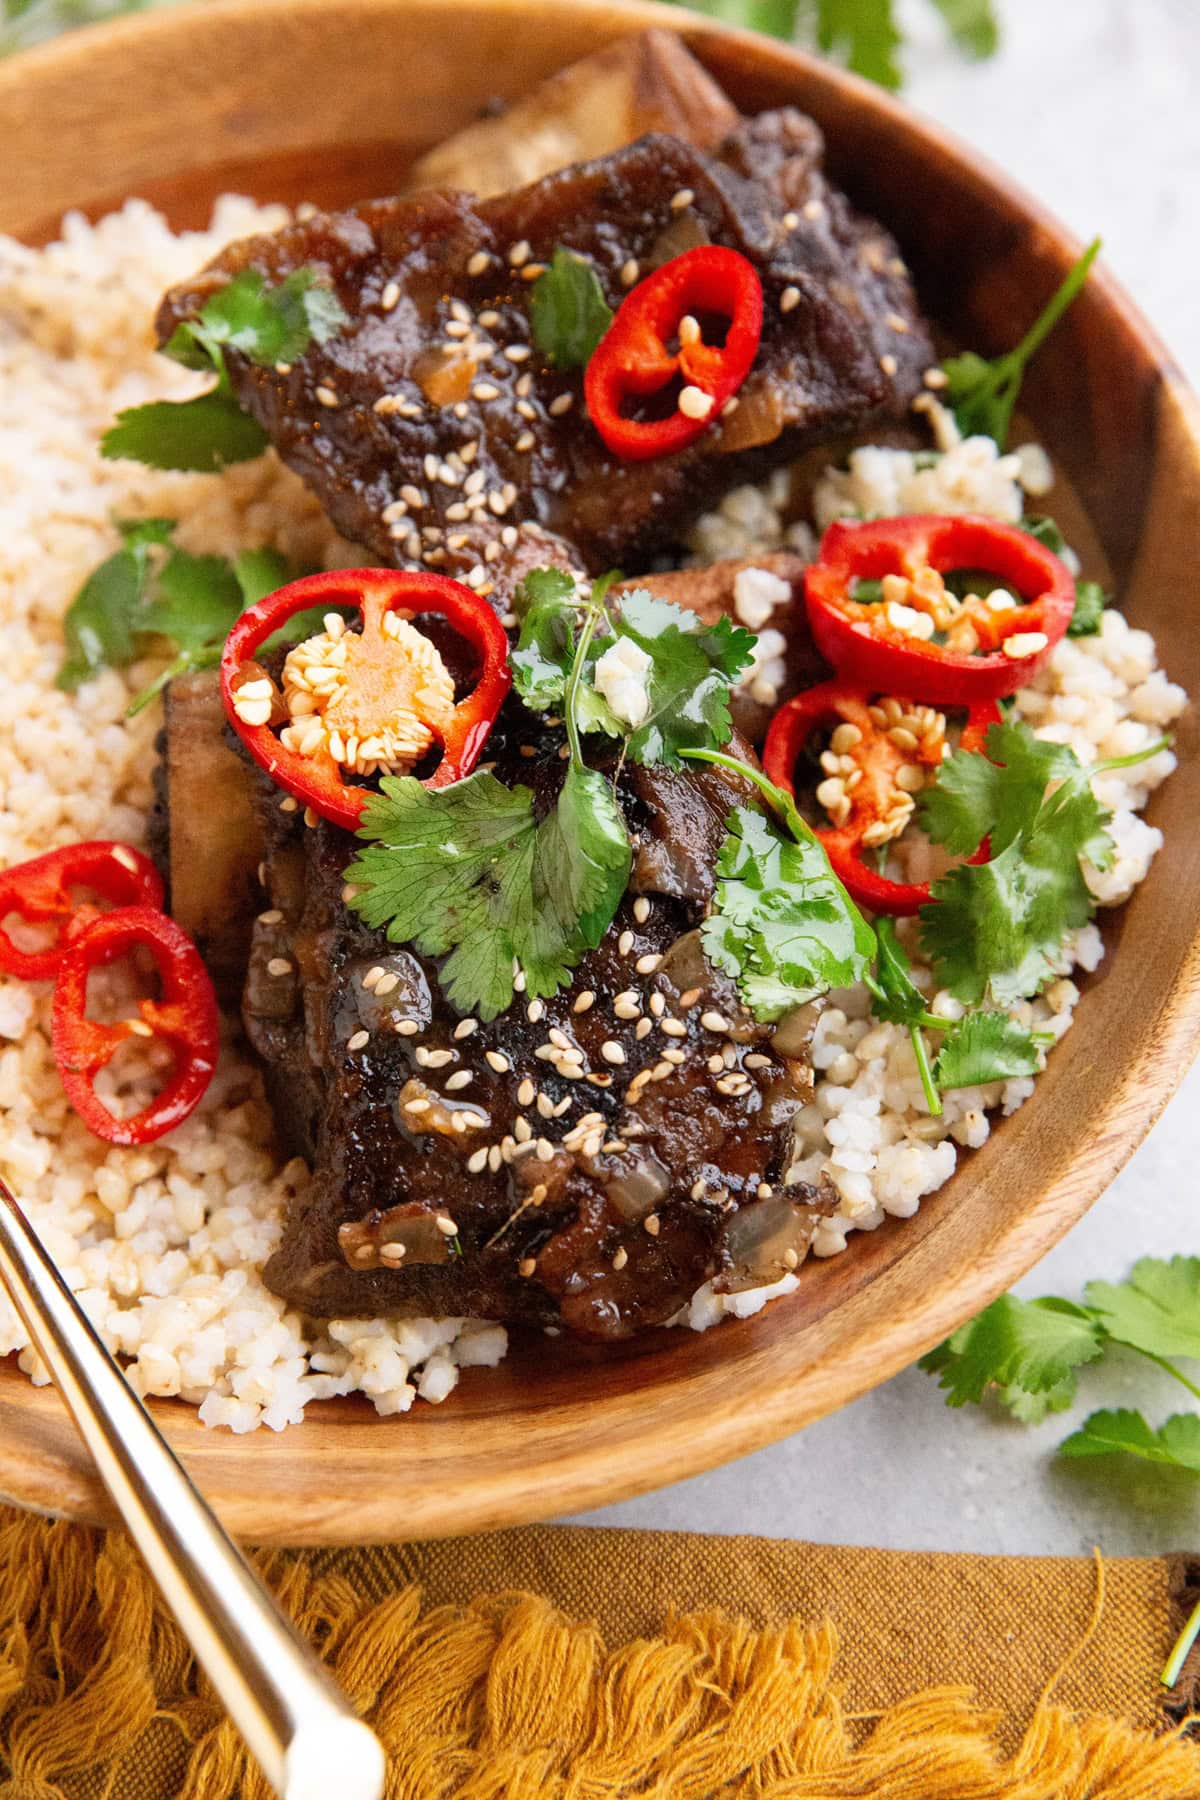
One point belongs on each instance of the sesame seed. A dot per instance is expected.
(526, 411)
(273, 917)
(625, 943)
(387, 985)
(641, 909)
(465, 1027)
(326, 396)
(791, 1258)
(643, 1028)
(646, 965)
(534, 1011)
(390, 296)
(408, 1027)
(545, 1150)
(559, 1038)
(611, 1051)
(935, 378)
(675, 1056)
(561, 404)
(477, 1161)
(629, 272)
(688, 330)
(455, 328)
(495, 1158)
(694, 403)
(658, 1005)
(289, 804)
(620, 1259)
(531, 271)
(279, 965)
(897, 322)
(626, 1009)
(485, 390)
(652, 1224)
(523, 1130)
(888, 364)
(419, 1105)
(527, 1266)
(447, 1227)
(1024, 643)
(584, 1001)
(391, 1254)
(520, 981)
(519, 253)
(358, 1040)
(460, 1079)
(690, 998)
(673, 1028)
(496, 1060)
(758, 1062)
(714, 1021)
(412, 495)
(526, 1092)
(814, 209)
(699, 1189)
(478, 263)
(790, 221)
(526, 441)
(715, 1064)
(545, 1106)
(681, 198)
(518, 353)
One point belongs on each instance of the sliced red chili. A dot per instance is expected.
(47, 890)
(380, 678)
(868, 800)
(634, 360)
(987, 648)
(185, 1017)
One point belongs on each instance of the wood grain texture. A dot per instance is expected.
(330, 99)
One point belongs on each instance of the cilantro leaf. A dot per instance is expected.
(1157, 1310)
(580, 871)
(1176, 1443)
(972, 25)
(783, 926)
(567, 310)
(450, 871)
(1045, 530)
(1090, 601)
(259, 572)
(204, 434)
(1027, 1349)
(864, 35)
(266, 324)
(199, 597)
(983, 394)
(983, 1047)
(894, 997)
(99, 628)
(693, 668)
(996, 925)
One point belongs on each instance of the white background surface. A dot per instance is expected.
(1093, 104)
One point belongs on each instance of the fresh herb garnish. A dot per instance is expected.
(1027, 1354)
(1090, 601)
(994, 927)
(985, 1047)
(783, 925)
(567, 310)
(265, 324)
(467, 872)
(865, 35)
(152, 589)
(689, 667)
(983, 393)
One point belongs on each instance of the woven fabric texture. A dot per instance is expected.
(576, 1664)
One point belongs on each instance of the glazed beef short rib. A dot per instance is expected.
(432, 428)
(594, 1190)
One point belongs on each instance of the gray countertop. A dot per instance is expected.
(1091, 104)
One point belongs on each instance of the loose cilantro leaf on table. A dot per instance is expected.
(982, 394)
(1028, 1348)
(1176, 1442)
(1157, 1310)
(568, 311)
(266, 324)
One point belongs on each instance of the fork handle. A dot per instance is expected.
(297, 1724)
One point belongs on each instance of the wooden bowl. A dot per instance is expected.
(328, 100)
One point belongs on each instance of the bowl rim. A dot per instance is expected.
(37, 1466)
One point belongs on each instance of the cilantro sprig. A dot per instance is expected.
(151, 589)
(567, 310)
(469, 872)
(690, 668)
(993, 929)
(983, 393)
(267, 325)
(865, 35)
(1027, 1355)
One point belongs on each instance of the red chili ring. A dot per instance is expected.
(40, 891)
